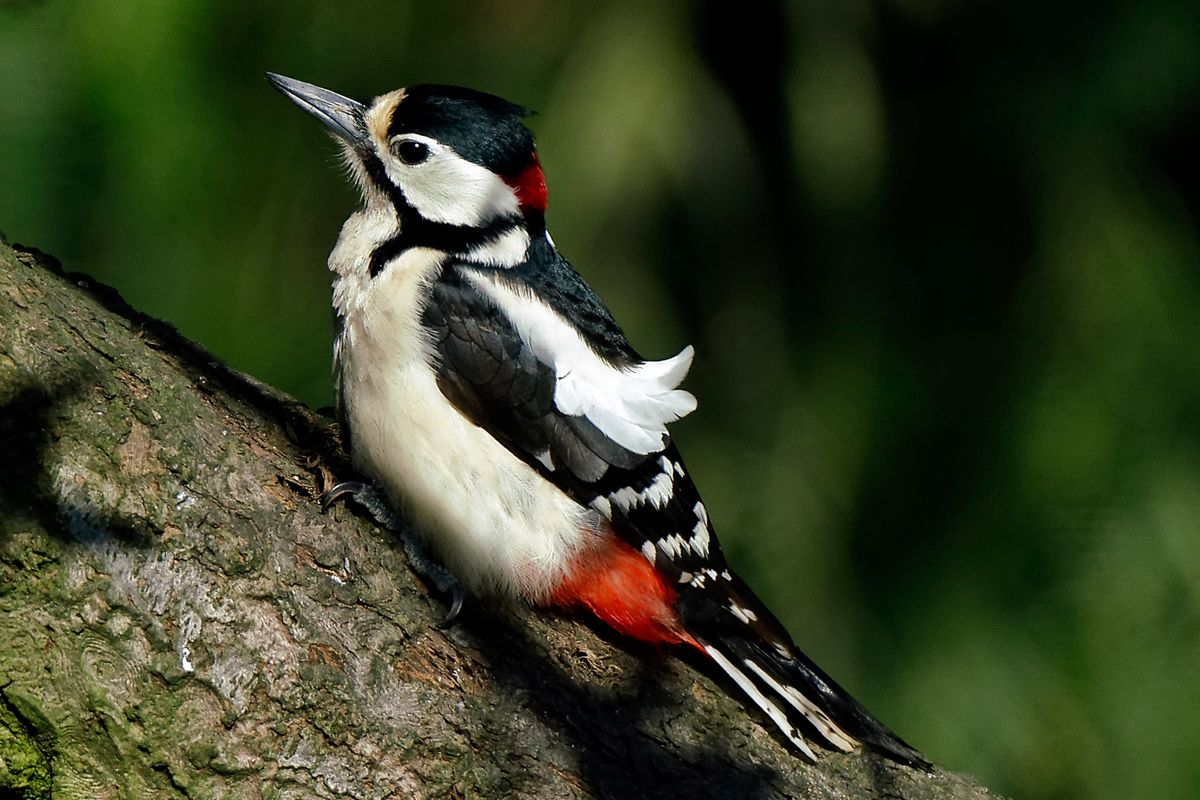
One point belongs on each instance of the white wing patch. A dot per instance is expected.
(631, 407)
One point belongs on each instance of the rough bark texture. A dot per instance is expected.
(178, 619)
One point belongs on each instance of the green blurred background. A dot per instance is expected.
(939, 260)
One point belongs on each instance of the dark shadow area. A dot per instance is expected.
(958, 218)
(1174, 149)
(604, 723)
(27, 493)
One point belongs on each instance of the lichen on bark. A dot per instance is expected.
(178, 619)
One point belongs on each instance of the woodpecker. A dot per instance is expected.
(489, 393)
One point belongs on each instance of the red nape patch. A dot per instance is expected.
(618, 585)
(530, 186)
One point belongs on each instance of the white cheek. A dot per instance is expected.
(455, 191)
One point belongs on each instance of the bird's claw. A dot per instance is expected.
(457, 595)
(435, 573)
(370, 498)
(340, 491)
(373, 501)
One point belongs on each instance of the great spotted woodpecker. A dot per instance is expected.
(488, 392)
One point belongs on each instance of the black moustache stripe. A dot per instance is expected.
(416, 231)
(378, 176)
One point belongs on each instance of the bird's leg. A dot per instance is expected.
(371, 499)
(368, 497)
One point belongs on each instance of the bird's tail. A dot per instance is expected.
(741, 636)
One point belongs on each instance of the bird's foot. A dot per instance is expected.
(420, 560)
(369, 497)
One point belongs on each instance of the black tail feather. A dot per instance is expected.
(746, 640)
(797, 672)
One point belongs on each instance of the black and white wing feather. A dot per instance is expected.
(512, 364)
(550, 375)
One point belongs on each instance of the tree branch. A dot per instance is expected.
(177, 618)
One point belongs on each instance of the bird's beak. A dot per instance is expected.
(343, 116)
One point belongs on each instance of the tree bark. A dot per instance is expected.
(178, 619)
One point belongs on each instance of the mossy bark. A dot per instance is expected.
(178, 619)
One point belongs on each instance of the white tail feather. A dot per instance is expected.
(770, 709)
(819, 719)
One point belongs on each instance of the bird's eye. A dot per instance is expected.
(412, 152)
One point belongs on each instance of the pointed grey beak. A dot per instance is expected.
(343, 116)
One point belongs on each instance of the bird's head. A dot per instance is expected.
(446, 154)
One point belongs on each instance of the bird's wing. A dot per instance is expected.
(517, 368)
(596, 428)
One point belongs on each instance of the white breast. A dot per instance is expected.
(494, 522)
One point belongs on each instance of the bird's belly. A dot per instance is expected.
(494, 521)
